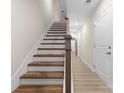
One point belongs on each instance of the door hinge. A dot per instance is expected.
(94, 25)
(94, 66)
(94, 46)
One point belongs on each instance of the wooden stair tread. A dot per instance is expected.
(48, 55)
(51, 49)
(59, 25)
(39, 89)
(42, 74)
(53, 43)
(53, 39)
(54, 35)
(58, 28)
(56, 32)
(58, 63)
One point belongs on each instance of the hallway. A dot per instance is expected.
(86, 81)
(45, 32)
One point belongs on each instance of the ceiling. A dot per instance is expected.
(77, 11)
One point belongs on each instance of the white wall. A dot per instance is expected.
(86, 43)
(29, 19)
(63, 7)
(87, 39)
(86, 35)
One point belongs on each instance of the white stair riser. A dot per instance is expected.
(52, 46)
(45, 68)
(53, 41)
(48, 59)
(50, 52)
(42, 81)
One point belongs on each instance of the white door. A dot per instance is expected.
(103, 29)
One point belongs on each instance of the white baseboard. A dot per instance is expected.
(101, 75)
(105, 79)
(15, 81)
(90, 67)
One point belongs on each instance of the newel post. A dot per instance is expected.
(68, 63)
(67, 23)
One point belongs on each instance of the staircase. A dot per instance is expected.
(46, 72)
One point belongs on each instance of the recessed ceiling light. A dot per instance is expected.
(88, 1)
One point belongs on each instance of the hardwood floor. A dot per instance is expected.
(86, 81)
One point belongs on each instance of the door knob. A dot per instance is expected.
(109, 47)
(108, 53)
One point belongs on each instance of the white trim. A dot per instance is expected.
(104, 78)
(90, 67)
(102, 13)
(45, 68)
(42, 81)
(105, 4)
(15, 81)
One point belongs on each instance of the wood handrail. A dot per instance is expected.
(68, 64)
